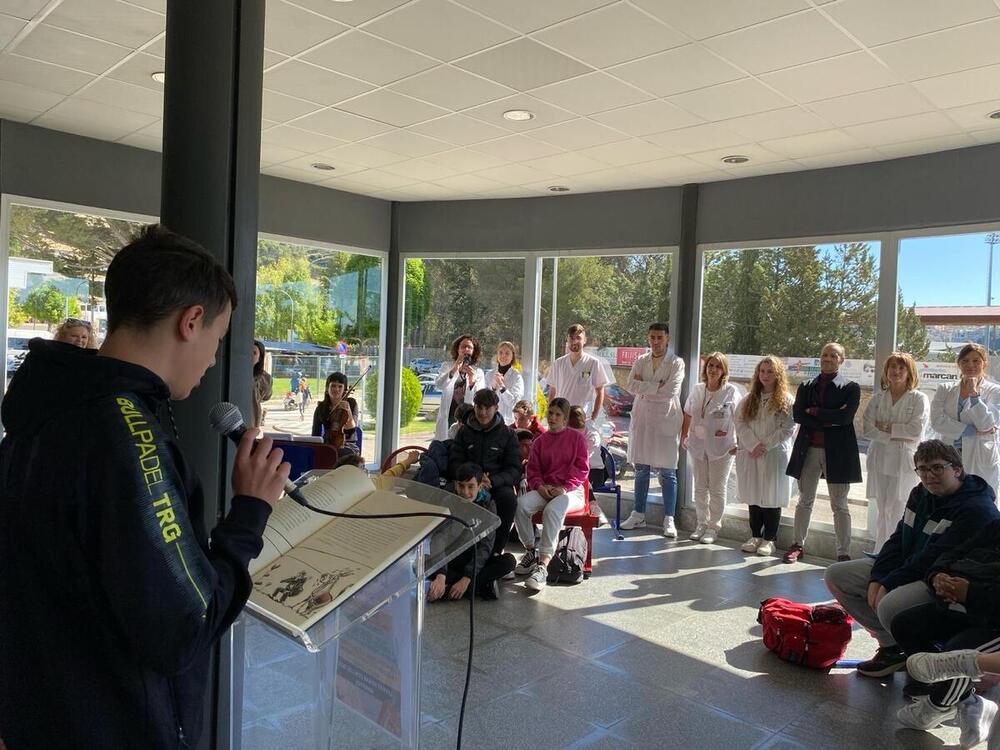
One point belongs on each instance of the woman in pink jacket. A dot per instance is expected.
(557, 467)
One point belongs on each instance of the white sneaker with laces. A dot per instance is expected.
(509, 577)
(634, 521)
(751, 544)
(975, 717)
(708, 537)
(698, 532)
(526, 564)
(766, 548)
(923, 715)
(669, 529)
(934, 667)
(536, 581)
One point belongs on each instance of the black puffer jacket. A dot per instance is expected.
(493, 447)
(110, 594)
(978, 562)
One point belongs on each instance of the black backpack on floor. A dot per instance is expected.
(566, 565)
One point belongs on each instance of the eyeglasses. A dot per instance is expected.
(935, 469)
(78, 322)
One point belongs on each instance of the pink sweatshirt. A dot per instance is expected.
(560, 458)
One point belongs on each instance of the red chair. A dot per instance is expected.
(307, 456)
(586, 520)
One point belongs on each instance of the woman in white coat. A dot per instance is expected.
(655, 381)
(506, 381)
(764, 429)
(967, 414)
(458, 381)
(894, 423)
(709, 435)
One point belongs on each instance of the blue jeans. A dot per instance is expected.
(668, 488)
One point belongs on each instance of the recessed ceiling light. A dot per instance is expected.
(994, 115)
(558, 189)
(518, 115)
(735, 159)
(159, 76)
(321, 165)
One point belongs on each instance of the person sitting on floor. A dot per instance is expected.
(462, 412)
(947, 508)
(454, 579)
(525, 419)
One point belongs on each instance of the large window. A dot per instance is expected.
(789, 301)
(318, 312)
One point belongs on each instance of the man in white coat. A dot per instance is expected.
(655, 381)
(577, 376)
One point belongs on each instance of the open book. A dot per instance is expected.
(311, 563)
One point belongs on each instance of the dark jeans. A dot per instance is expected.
(506, 502)
(920, 629)
(494, 568)
(764, 522)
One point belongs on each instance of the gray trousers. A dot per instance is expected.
(848, 582)
(812, 469)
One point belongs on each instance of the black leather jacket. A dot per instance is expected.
(110, 594)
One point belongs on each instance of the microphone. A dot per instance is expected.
(227, 420)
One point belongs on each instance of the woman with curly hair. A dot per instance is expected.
(458, 381)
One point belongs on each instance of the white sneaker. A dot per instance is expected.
(766, 548)
(669, 529)
(934, 667)
(536, 581)
(698, 532)
(526, 564)
(975, 717)
(751, 544)
(922, 714)
(708, 537)
(634, 521)
(509, 577)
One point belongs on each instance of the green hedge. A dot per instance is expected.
(412, 396)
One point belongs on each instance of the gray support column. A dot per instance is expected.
(531, 325)
(211, 171)
(685, 333)
(392, 357)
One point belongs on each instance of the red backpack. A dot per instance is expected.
(813, 636)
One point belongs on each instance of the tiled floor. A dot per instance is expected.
(659, 649)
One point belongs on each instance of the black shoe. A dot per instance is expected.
(914, 689)
(887, 660)
(491, 592)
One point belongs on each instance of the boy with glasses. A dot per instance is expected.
(947, 508)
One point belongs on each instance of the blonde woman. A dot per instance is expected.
(708, 432)
(505, 380)
(967, 414)
(764, 429)
(74, 331)
(894, 422)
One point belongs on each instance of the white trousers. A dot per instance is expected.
(553, 513)
(711, 478)
(891, 494)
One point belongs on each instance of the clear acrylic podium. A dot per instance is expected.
(353, 679)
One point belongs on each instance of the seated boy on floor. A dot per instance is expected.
(453, 581)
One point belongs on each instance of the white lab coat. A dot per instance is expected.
(576, 383)
(656, 412)
(763, 481)
(891, 453)
(446, 384)
(711, 415)
(513, 382)
(980, 453)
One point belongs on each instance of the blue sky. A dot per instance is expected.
(947, 270)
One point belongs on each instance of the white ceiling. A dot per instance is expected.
(405, 97)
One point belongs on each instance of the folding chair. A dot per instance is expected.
(611, 487)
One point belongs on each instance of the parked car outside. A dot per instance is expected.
(427, 384)
(421, 365)
(617, 401)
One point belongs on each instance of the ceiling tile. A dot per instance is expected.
(159, 47)
(291, 30)
(677, 70)
(702, 20)
(407, 143)
(576, 134)
(160, 6)
(49, 44)
(40, 75)
(145, 142)
(277, 154)
(25, 9)
(388, 106)
(728, 100)
(927, 146)
(651, 117)
(567, 165)
(460, 130)
(517, 148)
(116, 93)
(93, 119)
(420, 169)
(836, 76)
(306, 162)
(297, 175)
(138, 69)
(514, 174)
(109, 20)
(9, 28)
(986, 136)
(787, 41)
(351, 13)
(365, 156)
(524, 64)
(591, 93)
(281, 108)
(858, 156)
(315, 84)
(468, 183)
(610, 35)
(302, 140)
(17, 114)
(27, 98)
(879, 21)
(698, 138)
(605, 179)
(758, 155)
(343, 125)
(271, 58)
(511, 191)
(449, 87)
(868, 106)
(378, 179)
(623, 153)
(970, 46)
(900, 129)
(971, 116)
(362, 56)
(754, 169)
(464, 160)
(429, 191)
(812, 144)
(531, 15)
(671, 167)
(545, 114)
(439, 29)
(778, 123)
(966, 87)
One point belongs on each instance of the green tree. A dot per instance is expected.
(48, 305)
(15, 312)
(411, 395)
(911, 333)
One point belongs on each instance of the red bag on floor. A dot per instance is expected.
(813, 636)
